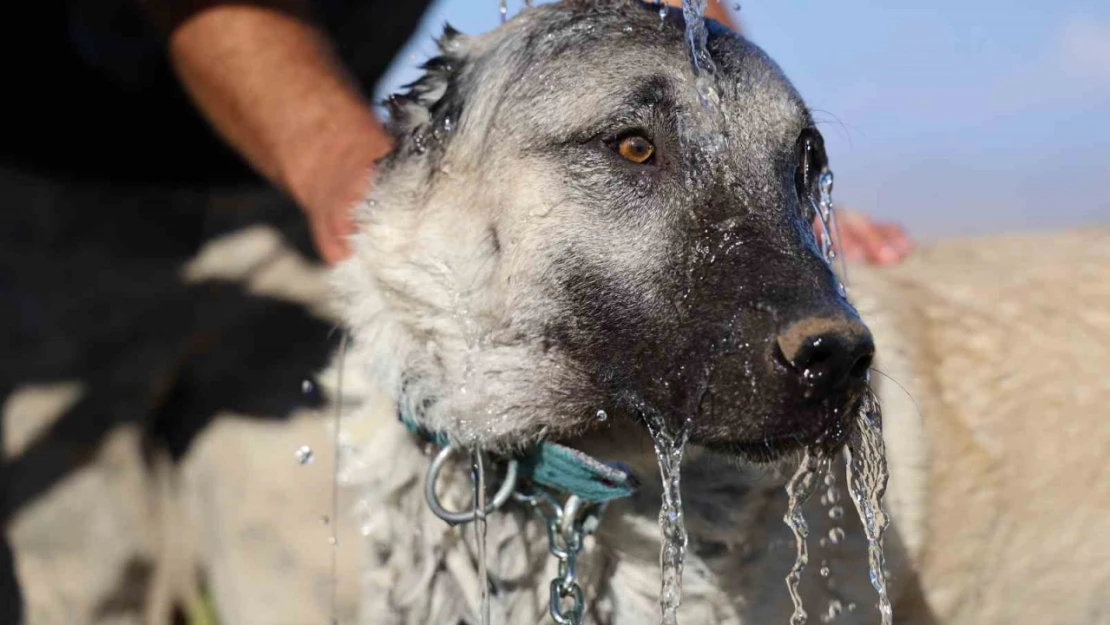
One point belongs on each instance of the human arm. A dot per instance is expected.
(270, 83)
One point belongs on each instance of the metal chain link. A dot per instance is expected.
(566, 525)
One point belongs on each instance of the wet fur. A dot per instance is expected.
(479, 266)
(472, 274)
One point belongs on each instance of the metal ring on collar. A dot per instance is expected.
(508, 485)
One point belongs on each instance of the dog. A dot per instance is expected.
(567, 230)
(571, 243)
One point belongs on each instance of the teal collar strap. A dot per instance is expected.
(560, 468)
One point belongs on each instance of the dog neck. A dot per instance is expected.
(419, 569)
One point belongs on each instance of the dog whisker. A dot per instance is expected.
(913, 399)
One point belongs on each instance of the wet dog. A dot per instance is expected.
(580, 234)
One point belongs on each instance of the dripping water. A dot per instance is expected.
(668, 451)
(831, 499)
(865, 461)
(830, 231)
(333, 540)
(693, 12)
(478, 466)
(799, 489)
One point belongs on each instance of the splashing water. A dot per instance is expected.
(668, 450)
(693, 12)
(865, 461)
(798, 490)
(480, 534)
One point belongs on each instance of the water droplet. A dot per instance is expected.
(602, 415)
(626, 29)
(836, 535)
(833, 611)
(307, 387)
(325, 520)
(304, 455)
(836, 513)
(333, 541)
(735, 6)
(825, 572)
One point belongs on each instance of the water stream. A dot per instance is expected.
(672, 554)
(693, 13)
(799, 489)
(865, 461)
(333, 539)
(480, 535)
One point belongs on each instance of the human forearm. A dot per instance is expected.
(269, 83)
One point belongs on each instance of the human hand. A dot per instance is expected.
(332, 175)
(269, 82)
(874, 242)
(329, 204)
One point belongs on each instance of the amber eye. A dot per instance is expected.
(636, 149)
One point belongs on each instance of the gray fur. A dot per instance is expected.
(512, 276)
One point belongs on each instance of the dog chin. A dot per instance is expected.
(831, 430)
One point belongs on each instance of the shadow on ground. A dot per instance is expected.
(93, 294)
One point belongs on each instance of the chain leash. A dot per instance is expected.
(567, 525)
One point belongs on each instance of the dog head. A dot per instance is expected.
(567, 227)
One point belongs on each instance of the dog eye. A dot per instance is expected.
(809, 161)
(636, 149)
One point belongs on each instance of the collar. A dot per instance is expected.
(558, 468)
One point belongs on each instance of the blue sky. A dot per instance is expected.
(951, 117)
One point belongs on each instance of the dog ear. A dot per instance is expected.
(424, 115)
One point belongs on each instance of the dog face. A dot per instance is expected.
(566, 227)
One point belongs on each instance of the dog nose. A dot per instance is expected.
(829, 354)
